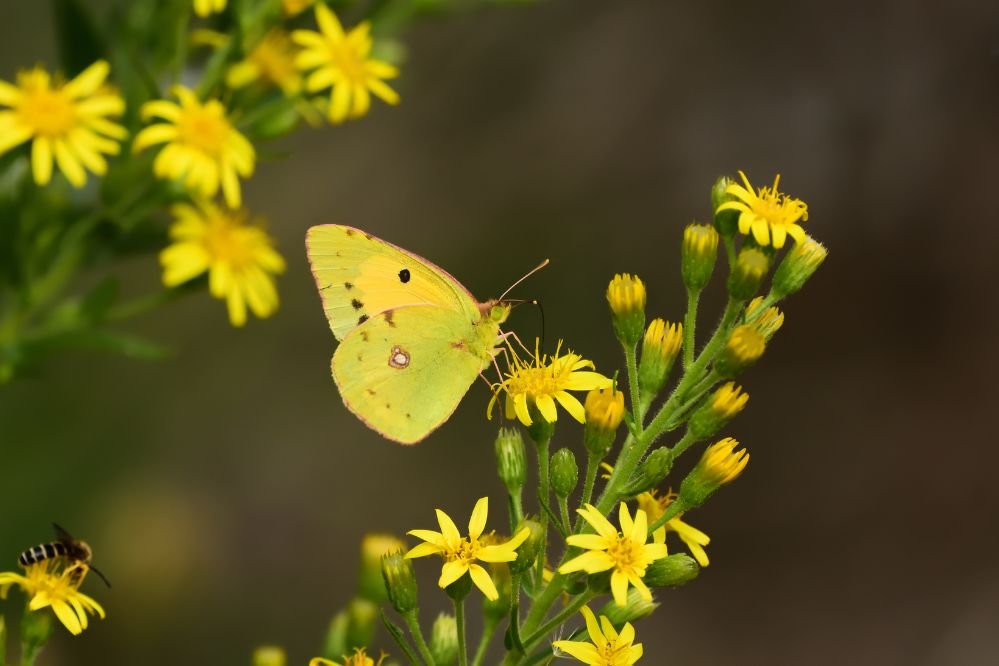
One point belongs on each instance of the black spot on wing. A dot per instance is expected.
(357, 304)
(404, 275)
(348, 286)
(362, 319)
(350, 232)
(389, 314)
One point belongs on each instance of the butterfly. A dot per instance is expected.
(412, 338)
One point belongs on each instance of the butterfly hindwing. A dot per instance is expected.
(359, 276)
(404, 371)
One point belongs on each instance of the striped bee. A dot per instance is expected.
(65, 546)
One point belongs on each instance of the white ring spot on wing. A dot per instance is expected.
(399, 358)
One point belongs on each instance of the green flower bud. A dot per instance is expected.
(651, 472)
(497, 610)
(362, 616)
(697, 255)
(511, 460)
(720, 464)
(374, 547)
(750, 268)
(444, 640)
(626, 296)
(540, 430)
(563, 472)
(744, 347)
(635, 608)
(726, 221)
(671, 571)
(400, 582)
(717, 410)
(766, 322)
(269, 655)
(660, 347)
(604, 412)
(36, 629)
(335, 641)
(527, 553)
(799, 264)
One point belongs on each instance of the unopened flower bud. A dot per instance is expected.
(400, 582)
(697, 255)
(766, 322)
(660, 347)
(720, 464)
(604, 412)
(444, 640)
(798, 265)
(36, 629)
(374, 547)
(750, 268)
(269, 655)
(626, 296)
(362, 619)
(563, 472)
(651, 472)
(511, 460)
(527, 553)
(717, 410)
(744, 347)
(671, 571)
(335, 641)
(726, 221)
(635, 608)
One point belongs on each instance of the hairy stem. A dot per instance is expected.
(413, 622)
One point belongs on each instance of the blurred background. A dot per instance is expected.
(225, 491)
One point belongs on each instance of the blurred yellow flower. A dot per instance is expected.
(342, 61)
(359, 658)
(51, 584)
(606, 646)
(770, 215)
(543, 380)
(272, 61)
(202, 147)
(461, 553)
(67, 122)
(655, 506)
(208, 7)
(295, 7)
(239, 257)
(625, 552)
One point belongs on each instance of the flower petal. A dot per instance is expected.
(477, 523)
(482, 581)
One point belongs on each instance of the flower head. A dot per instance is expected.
(745, 346)
(697, 255)
(626, 553)
(655, 505)
(202, 147)
(770, 215)
(798, 266)
(342, 61)
(272, 60)
(208, 7)
(626, 297)
(717, 409)
(543, 380)
(295, 7)
(606, 646)
(766, 321)
(359, 658)
(56, 585)
(66, 122)
(461, 553)
(239, 257)
(720, 464)
(660, 347)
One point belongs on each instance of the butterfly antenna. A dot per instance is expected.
(529, 274)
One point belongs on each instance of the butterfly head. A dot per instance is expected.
(496, 311)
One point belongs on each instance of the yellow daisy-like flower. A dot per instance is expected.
(239, 257)
(606, 646)
(359, 658)
(208, 7)
(655, 506)
(625, 552)
(295, 7)
(543, 380)
(461, 553)
(342, 61)
(272, 60)
(51, 584)
(67, 123)
(202, 147)
(770, 215)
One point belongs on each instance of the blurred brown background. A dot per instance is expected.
(225, 491)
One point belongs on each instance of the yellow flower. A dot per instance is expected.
(272, 60)
(50, 584)
(359, 658)
(202, 147)
(626, 552)
(722, 463)
(604, 409)
(461, 553)
(543, 380)
(295, 7)
(66, 122)
(770, 215)
(695, 539)
(606, 647)
(342, 61)
(239, 257)
(207, 7)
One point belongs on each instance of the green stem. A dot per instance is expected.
(689, 322)
(636, 404)
(592, 467)
(672, 511)
(563, 507)
(515, 583)
(459, 617)
(729, 242)
(767, 301)
(413, 622)
(488, 631)
(685, 442)
(543, 493)
(571, 609)
(516, 509)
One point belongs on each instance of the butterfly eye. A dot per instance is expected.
(404, 275)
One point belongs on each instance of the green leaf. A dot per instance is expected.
(400, 638)
(77, 36)
(100, 340)
(96, 303)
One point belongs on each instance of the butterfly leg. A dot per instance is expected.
(513, 334)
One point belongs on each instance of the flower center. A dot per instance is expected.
(349, 62)
(203, 130)
(225, 243)
(466, 551)
(273, 58)
(625, 553)
(49, 112)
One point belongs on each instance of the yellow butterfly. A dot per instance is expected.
(412, 338)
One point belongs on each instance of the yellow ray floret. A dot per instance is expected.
(766, 213)
(606, 646)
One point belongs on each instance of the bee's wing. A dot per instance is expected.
(61, 533)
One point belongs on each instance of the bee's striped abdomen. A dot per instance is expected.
(42, 552)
